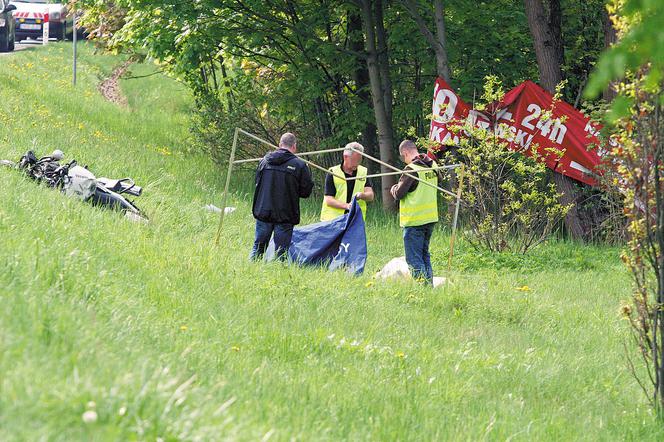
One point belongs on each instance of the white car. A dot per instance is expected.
(31, 14)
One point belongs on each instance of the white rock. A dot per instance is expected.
(90, 417)
(215, 209)
(397, 268)
(438, 281)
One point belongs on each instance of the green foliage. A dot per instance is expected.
(555, 254)
(488, 38)
(303, 63)
(640, 30)
(635, 168)
(583, 40)
(100, 18)
(306, 56)
(509, 200)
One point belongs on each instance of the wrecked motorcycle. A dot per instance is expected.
(78, 181)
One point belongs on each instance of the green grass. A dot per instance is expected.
(173, 338)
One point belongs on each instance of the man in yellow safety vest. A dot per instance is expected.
(418, 209)
(339, 192)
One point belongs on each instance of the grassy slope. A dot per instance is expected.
(173, 338)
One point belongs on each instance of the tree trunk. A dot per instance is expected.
(658, 324)
(567, 188)
(436, 42)
(443, 71)
(227, 84)
(610, 37)
(383, 122)
(442, 65)
(361, 79)
(438, 45)
(322, 117)
(383, 61)
(547, 40)
(545, 29)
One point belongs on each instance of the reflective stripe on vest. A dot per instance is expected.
(420, 206)
(326, 212)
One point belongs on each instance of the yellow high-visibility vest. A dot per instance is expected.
(420, 206)
(326, 212)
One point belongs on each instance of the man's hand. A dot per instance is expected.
(393, 191)
(366, 195)
(335, 203)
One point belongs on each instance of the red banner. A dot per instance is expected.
(518, 119)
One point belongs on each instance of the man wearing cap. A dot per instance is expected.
(339, 191)
(418, 209)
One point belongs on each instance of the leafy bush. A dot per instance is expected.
(637, 166)
(510, 201)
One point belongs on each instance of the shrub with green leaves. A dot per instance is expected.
(636, 168)
(509, 198)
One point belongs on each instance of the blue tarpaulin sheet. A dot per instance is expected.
(340, 243)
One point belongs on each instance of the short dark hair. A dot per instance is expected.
(407, 145)
(287, 140)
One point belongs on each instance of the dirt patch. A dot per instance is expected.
(110, 88)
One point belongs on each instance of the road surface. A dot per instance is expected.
(22, 46)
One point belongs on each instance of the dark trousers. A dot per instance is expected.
(282, 239)
(416, 244)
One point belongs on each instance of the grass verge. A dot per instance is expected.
(164, 336)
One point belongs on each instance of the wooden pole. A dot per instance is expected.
(397, 171)
(456, 216)
(302, 154)
(415, 177)
(277, 147)
(374, 175)
(231, 159)
(401, 172)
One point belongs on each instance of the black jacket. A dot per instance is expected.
(281, 180)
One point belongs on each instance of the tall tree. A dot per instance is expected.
(382, 103)
(360, 76)
(610, 38)
(437, 41)
(545, 27)
(438, 46)
(383, 57)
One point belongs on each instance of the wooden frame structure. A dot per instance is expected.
(395, 171)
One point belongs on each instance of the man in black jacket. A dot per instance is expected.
(281, 180)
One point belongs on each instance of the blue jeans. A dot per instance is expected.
(416, 243)
(282, 239)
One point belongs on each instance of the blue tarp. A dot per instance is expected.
(338, 243)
